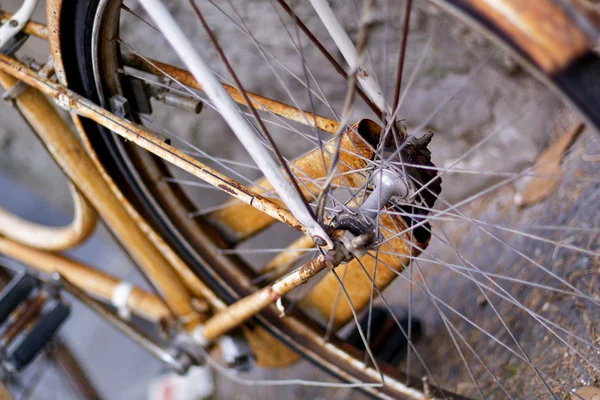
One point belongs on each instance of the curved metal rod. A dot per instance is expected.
(49, 237)
(42, 236)
(68, 152)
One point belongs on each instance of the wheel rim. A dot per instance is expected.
(201, 242)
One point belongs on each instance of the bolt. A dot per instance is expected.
(319, 241)
(13, 22)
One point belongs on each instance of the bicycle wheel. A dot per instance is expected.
(491, 341)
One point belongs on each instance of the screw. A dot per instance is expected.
(319, 241)
(13, 22)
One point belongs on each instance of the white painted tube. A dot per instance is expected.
(22, 16)
(227, 108)
(342, 41)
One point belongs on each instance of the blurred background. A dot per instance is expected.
(33, 187)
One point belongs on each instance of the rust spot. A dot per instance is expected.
(312, 268)
(362, 74)
(273, 295)
(227, 189)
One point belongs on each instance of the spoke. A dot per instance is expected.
(395, 253)
(357, 325)
(401, 55)
(398, 324)
(348, 102)
(259, 102)
(243, 309)
(263, 129)
(328, 56)
(496, 312)
(240, 126)
(73, 102)
(351, 54)
(291, 254)
(234, 217)
(502, 293)
(447, 326)
(449, 307)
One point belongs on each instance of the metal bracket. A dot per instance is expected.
(11, 45)
(45, 71)
(119, 105)
(361, 233)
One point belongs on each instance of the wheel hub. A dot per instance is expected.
(406, 182)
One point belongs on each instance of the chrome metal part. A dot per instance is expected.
(10, 47)
(360, 224)
(185, 103)
(388, 184)
(11, 94)
(236, 352)
(45, 70)
(145, 88)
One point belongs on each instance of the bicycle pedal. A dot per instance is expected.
(387, 341)
(15, 293)
(30, 315)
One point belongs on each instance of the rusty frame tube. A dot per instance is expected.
(36, 235)
(191, 281)
(70, 155)
(49, 237)
(97, 283)
(73, 102)
(246, 308)
(159, 69)
(261, 103)
(382, 269)
(293, 252)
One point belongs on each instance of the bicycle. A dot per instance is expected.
(363, 195)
